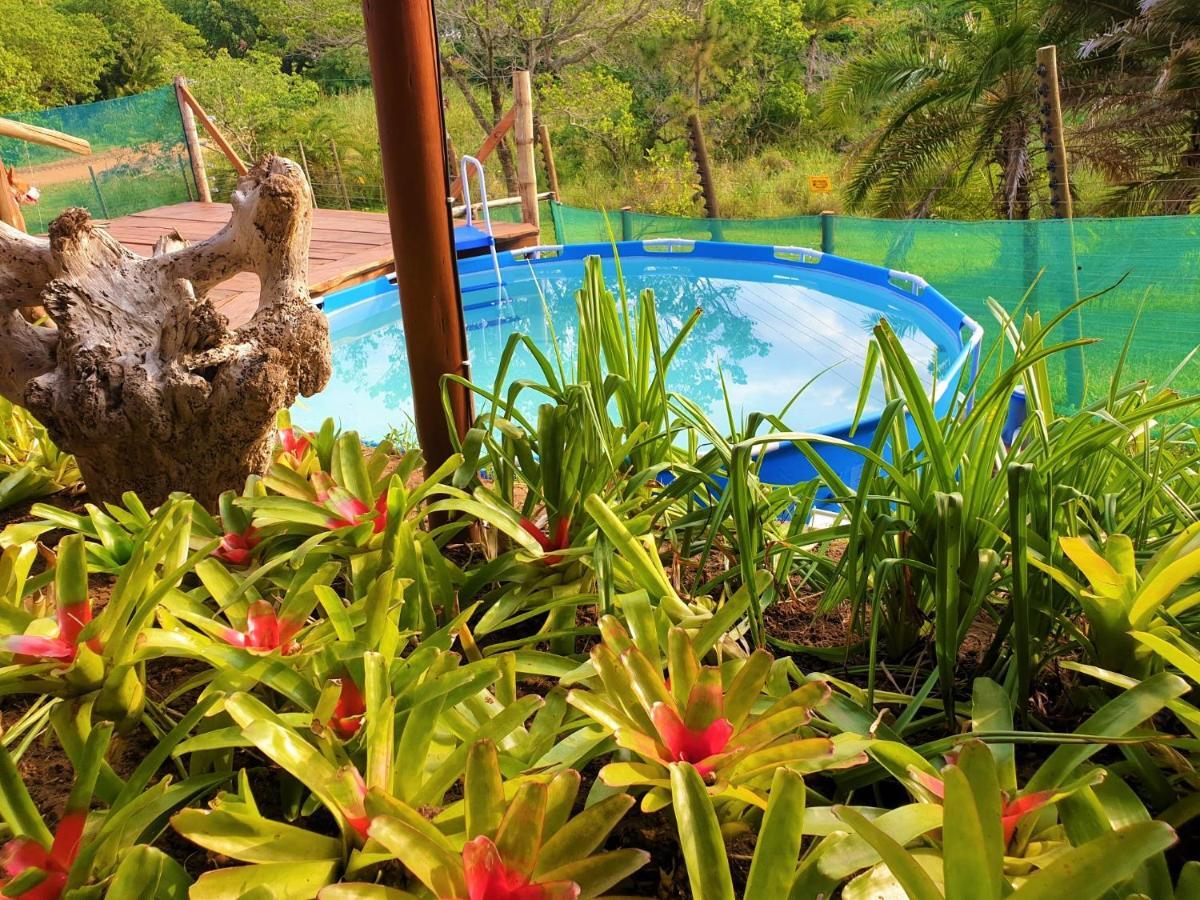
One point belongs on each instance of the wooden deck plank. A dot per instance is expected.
(347, 248)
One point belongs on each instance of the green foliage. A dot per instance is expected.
(349, 681)
(31, 466)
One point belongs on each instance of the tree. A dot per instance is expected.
(255, 102)
(948, 111)
(484, 41)
(822, 17)
(61, 56)
(148, 41)
(140, 377)
(1143, 126)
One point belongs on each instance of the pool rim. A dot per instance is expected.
(917, 292)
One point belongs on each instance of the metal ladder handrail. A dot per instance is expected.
(472, 162)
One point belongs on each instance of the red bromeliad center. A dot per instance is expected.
(560, 541)
(349, 710)
(72, 619)
(488, 878)
(265, 631)
(690, 745)
(1011, 813)
(348, 509)
(292, 443)
(236, 547)
(21, 854)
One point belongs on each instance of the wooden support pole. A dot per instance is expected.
(402, 48)
(47, 137)
(548, 159)
(700, 152)
(1060, 201)
(337, 168)
(526, 161)
(211, 127)
(192, 140)
(1052, 132)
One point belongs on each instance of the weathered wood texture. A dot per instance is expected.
(140, 376)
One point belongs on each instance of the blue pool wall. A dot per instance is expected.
(783, 463)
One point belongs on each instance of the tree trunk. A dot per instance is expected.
(810, 69)
(140, 377)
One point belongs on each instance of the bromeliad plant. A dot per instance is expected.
(503, 845)
(75, 653)
(1130, 611)
(716, 719)
(31, 466)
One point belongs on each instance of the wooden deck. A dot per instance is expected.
(347, 248)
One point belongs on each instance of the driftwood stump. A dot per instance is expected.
(139, 376)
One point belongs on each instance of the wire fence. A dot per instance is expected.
(1144, 273)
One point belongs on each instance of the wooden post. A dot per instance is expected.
(402, 48)
(700, 152)
(1060, 201)
(626, 223)
(10, 211)
(490, 143)
(211, 127)
(548, 159)
(337, 168)
(192, 139)
(526, 164)
(307, 174)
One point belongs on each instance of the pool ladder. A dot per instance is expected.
(470, 228)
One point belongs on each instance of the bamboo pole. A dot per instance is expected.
(1060, 201)
(211, 127)
(192, 141)
(548, 159)
(1052, 132)
(526, 163)
(337, 168)
(47, 137)
(402, 48)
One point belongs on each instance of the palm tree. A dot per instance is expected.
(963, 107)
(1143, 122)
(821, 17)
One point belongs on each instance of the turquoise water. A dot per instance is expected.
(769, 328)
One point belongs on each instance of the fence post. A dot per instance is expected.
(827, 231)
(526, 164)
(1060, 198)
(548, 159)
(192, 140)
(304, 164)
(10, 212)
(337, 167)
(626, 223)
(99, 196)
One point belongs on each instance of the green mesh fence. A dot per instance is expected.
(1145, 265)
(138, 160)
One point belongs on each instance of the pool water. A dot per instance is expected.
(767, 326)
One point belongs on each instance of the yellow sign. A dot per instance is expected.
(820, 184)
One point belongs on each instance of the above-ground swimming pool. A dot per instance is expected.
(774, 318)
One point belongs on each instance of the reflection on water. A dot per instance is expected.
(769, 329)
